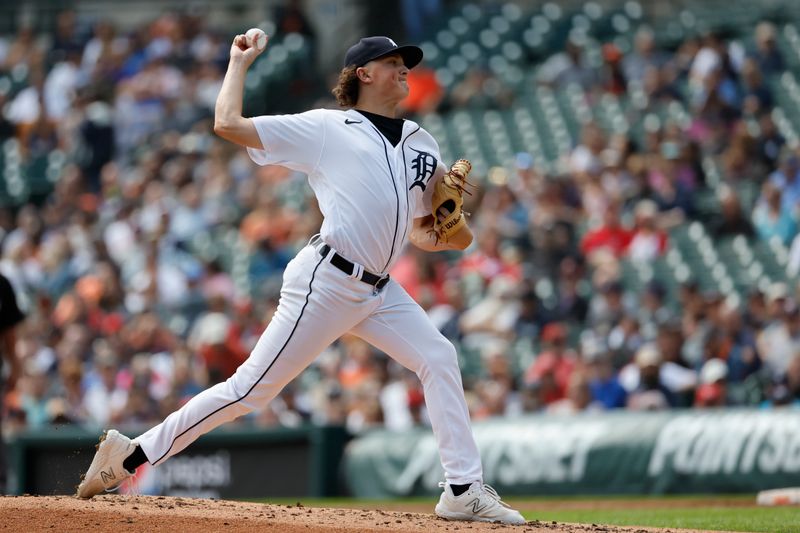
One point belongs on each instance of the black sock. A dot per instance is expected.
(134, 460)
(458, 490)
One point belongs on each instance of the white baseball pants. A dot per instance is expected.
(318, 304)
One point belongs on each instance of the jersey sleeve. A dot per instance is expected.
(292, 141)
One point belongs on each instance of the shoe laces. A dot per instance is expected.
(489, 490)
(486, 489)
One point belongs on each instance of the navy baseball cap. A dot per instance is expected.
(370, 48)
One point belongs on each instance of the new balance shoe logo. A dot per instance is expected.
(106, 476)
(477, 506)
(348, 121)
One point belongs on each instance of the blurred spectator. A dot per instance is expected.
(446, 316)
(586, 157)
(792, 380)
(511, 218)
(532, 316)
(553, 367)
(624, 337)
(25, 50)
(68, 404)
(210, 338)
(712, 391)
(612, 78)
(66, 38)
(735, 343)
(578, 397)
(420, 276)
(653, 310)
(786, 178)
(772, 218)
(669, 341)
(732, 220)
(568, 67)
(645, 55)
(740, 160)
(777, 298)
(554, 222)
(612, 235)
(603, 383)
(291, 18)
(402, 399)
(572, 303)
(643, 381)
(61, 85)
(358, 364)
(767, 54)
(105, 397)
(755, 314)
(495, 316)
(671, 181)
(480, 88)
(697, 324)
(101, 54)
(770, 141)
(793, 263)
(487, 261)
(29, 103)
(780, 341)
(659, 87)
(756, 96)
(707, 63)
(608, 307)
(95, 140)
(495, 390)
(648, 241)
(189, 376)
(364, 409)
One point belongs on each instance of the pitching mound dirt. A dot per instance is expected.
(158, 513)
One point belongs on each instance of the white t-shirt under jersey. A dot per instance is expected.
(368, 190)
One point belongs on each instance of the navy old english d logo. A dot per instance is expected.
(424, 165)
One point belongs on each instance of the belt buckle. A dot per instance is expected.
(380, 284)
(383, 281)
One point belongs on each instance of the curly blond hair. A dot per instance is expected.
(346, 90)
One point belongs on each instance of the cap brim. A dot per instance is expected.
(411, 55)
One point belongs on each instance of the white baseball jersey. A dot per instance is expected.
(368, 190)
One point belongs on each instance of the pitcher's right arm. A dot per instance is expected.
(228, 120)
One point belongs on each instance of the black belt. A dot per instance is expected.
(347, 267)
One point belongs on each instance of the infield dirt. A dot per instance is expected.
(158, 513)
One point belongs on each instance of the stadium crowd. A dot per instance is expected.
(151, 269)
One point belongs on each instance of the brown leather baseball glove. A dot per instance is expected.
(448, 200)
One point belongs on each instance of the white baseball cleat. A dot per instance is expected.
(480, 503)
(106, 472)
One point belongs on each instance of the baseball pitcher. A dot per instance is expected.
(380, 182)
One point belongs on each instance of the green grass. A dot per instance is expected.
(766, 519)
(645, 511)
